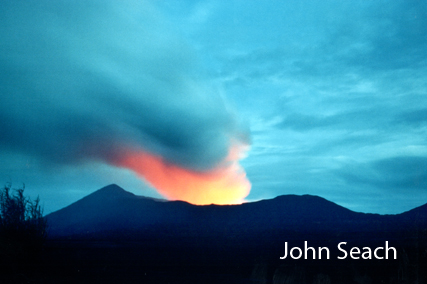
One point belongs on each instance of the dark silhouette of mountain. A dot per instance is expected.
(112, 208)
(113, 236)
(418, 214)
(114, 211)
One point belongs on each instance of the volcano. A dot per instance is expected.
(113, 212)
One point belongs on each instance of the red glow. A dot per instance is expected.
(226, 184)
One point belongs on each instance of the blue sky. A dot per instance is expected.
(331, 95)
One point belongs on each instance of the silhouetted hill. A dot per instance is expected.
(419, 214)
(111, 208)
(112, 211)
(113, 236)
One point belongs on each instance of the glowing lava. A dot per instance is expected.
(226, 184)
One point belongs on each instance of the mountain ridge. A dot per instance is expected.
(112, 210)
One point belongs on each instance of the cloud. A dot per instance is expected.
(333, 41)
(396, 173)
(415, 118)
(371, 118)
(84, 81)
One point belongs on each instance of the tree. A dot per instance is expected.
(23, 229)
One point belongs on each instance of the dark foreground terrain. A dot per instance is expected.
(213, 261)
(113, 236)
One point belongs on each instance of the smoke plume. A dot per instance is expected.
(111, 81)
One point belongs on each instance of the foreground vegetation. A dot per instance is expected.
(23, 230)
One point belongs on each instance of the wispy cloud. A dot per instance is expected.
(400, 173)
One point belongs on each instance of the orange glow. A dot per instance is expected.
(226, 184)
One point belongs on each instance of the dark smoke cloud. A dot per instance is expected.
(82, 80)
